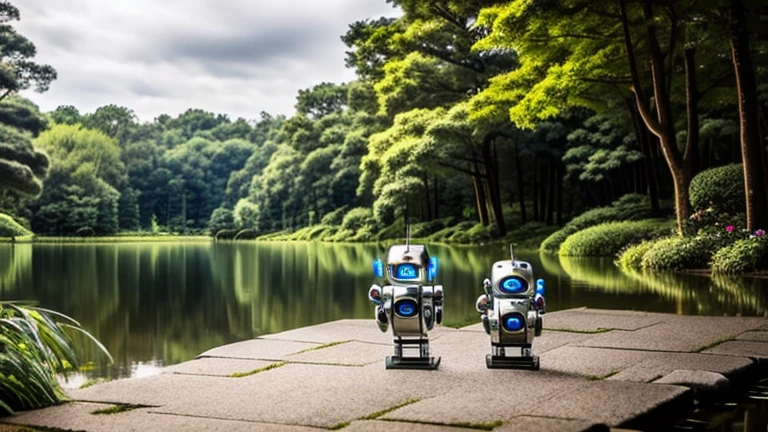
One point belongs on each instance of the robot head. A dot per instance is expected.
(408, 265)
(511, 279)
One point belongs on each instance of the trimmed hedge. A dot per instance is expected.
(722, 187)
(746, 255)
(11, 228)
(629, 207)
(678, 253)
(609, 238)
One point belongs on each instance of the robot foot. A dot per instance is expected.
(423, 363)
(498, 362)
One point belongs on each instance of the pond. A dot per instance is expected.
(155, 304)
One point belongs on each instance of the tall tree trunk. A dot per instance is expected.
(559, 197)
(436, 194)
(482, 209)
(494, 193)
(692, 111)
(661, 124)
(536, 189)
(649, 160)
(552, 179)
(543, 188)
(520, 182)
(427, 197)
(751, 155)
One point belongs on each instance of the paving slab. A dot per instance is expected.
(541, 424)
(348, 329)
(703, 384)
(757, 336)
(215, 366)
(592, 362)
(473, 401)
(617, 403)
(585, 320)
(466, 350)
(77, 416)
(352, 353)
(751, 349)
(550, 340)
(259, 349)
(393, 426)
(297, 394)
(676, 333)
(661, 364)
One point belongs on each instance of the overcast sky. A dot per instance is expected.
(237, 57)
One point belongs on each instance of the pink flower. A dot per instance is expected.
(759, 233)
(729, 228)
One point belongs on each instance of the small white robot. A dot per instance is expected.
(407, 304)
(511, 310)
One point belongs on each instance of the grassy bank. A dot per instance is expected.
(110, 239)
(529, 235)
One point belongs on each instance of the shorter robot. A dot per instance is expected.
(407, 304)
(511, 310)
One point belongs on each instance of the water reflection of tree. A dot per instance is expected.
(15, 265)
(690, 294)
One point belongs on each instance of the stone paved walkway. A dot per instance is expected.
(600, 370)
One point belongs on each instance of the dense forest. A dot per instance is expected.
(490, 116)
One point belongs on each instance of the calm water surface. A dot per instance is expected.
(154, 304)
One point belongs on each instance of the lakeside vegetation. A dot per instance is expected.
(35, 346)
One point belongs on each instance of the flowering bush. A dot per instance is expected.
(711, 221)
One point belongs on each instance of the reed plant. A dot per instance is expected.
(36, 346)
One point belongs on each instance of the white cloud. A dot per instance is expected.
(237, 57)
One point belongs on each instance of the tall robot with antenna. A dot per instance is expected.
(511, 310)
(408, 304)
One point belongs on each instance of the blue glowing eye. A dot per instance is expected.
(406, 308)
(407, 271)
(513, 323)
(513, 285)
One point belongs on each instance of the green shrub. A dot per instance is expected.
(335, 217)
(394, 231)
(628, 207)
(552, 243)
(364, 234)
(478, 233)
(632, 257)
(448, 233)
(529, 235)
(357, 218)
(722, 187)
(742, 256)
(11, 228)
(609, 238)
(678, 253)
(425, 229)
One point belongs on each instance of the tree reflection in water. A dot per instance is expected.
(161, 303)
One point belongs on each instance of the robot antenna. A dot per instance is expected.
(512, 251)
(408, 237)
